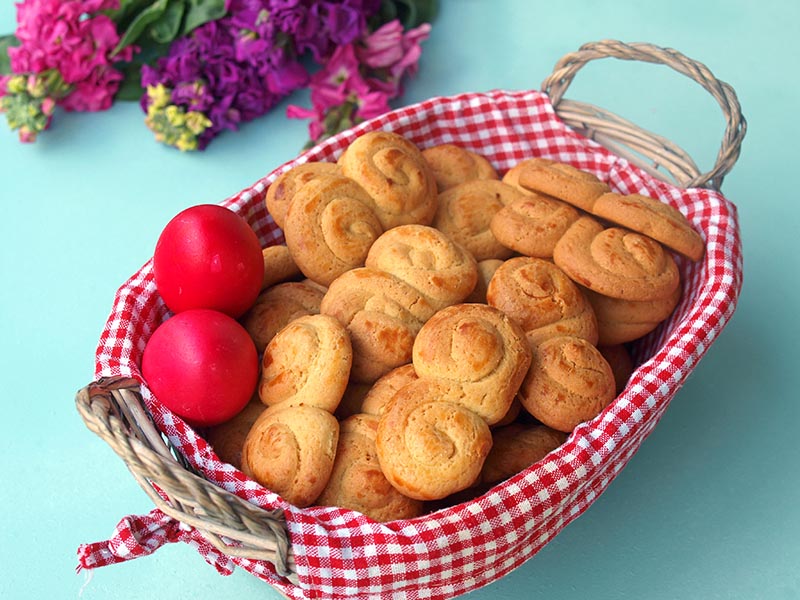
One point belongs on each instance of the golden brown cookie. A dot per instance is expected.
(330, 226)
(565, 182)
(451, 164)
(479, 351)
(307, 363)
(542, 299)
(430, 446)
(532, 225)
(486, 270)
(652, 218)
(280, 192)
(383, 390)
(279, 266)
(393, 171)
(465, 214)
(290, 450)
(621, 363)
(516, 447)
(382, 314)
(569, 382)
(357, 481)
(620, 321)
(616, 262)
(277, 306)
(427, 260)
(511, 177)
(227, 438)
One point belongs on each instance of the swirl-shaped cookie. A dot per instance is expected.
(429, 445)
(542, 299)
(653, 218)
(443, 271)
(307, 362)
(621, 321)
(569, 382)
(383, 390)
(565, 182)
(279, 266)
(533, 224)
(357, 481)
(277, 306)
(393, 171)
(382, 314)
(290, 450)
(451, 164)
(486, 270)
(330, 226)
(517, 446)
(280, 193)
(479, 351)
(616, 262)
(466, 211)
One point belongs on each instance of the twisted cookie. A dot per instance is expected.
(393, 171)
(569, 382)
(466, 212)
(542, 299)
(427, 260)
(478, 353)
(357, 481)
(330, 226)
(307, 362)
(430, 446)
(279, 195)
(452, 164)
(382, 314)
(290, 450)
(616, 262)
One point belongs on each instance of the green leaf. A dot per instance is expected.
(199, 12)
(140, 22)
(166, 28)
(411, 13)
(131, 87)
(6, 42)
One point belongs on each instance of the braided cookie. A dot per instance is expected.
(466, 211)
(542, 299)
(620, 321)
(427, 260)
(533, 224)
(330, 226)
(516, 447)
(290, 450)
(307, 362)
(616, 262)
(382, 314)
(562, 181)
(383, 390)
(393, 171)
(357, 481)
(569, 382)
(279, 195)
(277, 306)
(452, 164)
(478, 352)
(652, 218)
(430, 445)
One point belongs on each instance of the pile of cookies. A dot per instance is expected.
(431, 329)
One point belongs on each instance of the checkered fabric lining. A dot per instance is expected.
(340, 553)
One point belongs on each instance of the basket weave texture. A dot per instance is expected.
(340, 553)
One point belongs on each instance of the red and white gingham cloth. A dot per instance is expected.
(340, 553)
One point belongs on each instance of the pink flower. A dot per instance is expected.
(394, 53)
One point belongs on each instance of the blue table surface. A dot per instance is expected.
(708, 508)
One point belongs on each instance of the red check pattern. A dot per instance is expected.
(340, 553)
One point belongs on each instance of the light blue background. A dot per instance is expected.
(707, 509)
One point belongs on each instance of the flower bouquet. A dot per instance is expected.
(199, 67)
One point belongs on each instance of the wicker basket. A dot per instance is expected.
(332, 552)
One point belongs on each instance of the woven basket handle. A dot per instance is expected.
(114, 409)
(622, 136)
